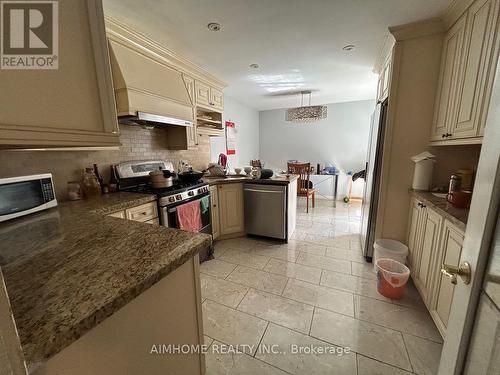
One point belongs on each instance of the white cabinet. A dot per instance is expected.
(476, 67)
(208, 96)
(145, 213)
(432, 241)
(69, 106)
(449, 253)
(470, 52)
(192, 134)
(431, 223)
(214, 201)
(231, 209)
(448, 80)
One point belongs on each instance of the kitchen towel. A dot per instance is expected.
(204, 204)
(189, 216)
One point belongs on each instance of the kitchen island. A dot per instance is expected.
(93, 294)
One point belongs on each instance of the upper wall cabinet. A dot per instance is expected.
(383, 80)
(470, 55)
(72, 105)
(208, 97)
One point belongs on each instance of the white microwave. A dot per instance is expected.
(26, 194)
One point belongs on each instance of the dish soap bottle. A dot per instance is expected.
(90, 183)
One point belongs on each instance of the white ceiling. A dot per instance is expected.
(298, 44)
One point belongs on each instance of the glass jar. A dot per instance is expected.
(74, 191)
(90, 183)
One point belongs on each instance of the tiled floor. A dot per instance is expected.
(314, 293)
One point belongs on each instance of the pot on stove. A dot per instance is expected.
(162, 178)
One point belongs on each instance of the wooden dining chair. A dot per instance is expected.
(256, 163)
(304, 186)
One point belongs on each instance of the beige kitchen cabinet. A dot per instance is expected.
(202, 93)
(69, 106)
(208, 96)
(413, 234)
(444, 110)
(231, 210)
(145, 213)
(431, 223)
(476, 69)
(449, 253)
(470, 54)
(214, 202)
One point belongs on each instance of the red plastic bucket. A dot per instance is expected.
(392, 277)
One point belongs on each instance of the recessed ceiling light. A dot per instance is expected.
(214, 26)
(254, 66)
(349, 47)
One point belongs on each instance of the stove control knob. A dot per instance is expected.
(200, 191)
(171, 199)
(178, 197)
(191, 193)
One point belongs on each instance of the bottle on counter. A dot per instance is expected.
(113, 180)
(99, 178)
(90, 183)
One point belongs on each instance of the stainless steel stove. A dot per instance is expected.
(133, 176)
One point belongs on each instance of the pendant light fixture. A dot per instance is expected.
(306, 114)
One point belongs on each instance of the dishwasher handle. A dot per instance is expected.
(265, 191)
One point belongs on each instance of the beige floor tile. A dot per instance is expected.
(304, 363)
(222, 291)
(294, 270)
(276, 309)
(374, 341)
(283, 252)
(401, 318)
(310, 248)
(424, 354)
(368, 366)
(320, 296)
(236, 243)
(354, 284)
(231, 326)
(364, 270)
(245, 258)
(268, 282)
(324, 262)
(220, 363)
(217, 268)
(411, 298)
(345, 254)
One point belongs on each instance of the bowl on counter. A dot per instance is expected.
(247, 170)
(237, 170)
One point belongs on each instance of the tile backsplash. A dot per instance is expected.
(137, 144)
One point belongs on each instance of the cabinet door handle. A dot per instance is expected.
(463, 270)
(448, 134)
(443, 135)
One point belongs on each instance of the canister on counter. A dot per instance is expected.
(466, 176)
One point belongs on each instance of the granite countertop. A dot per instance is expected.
(275, 180)
(457, 216)
(68, 268)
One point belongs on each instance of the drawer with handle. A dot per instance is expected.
(142, 213)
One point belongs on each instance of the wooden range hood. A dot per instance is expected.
(148, 92)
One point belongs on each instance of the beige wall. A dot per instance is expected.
(137, 144)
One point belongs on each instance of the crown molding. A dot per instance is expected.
(418, 29)
(123, 34)
(384, 53)
(454, 11)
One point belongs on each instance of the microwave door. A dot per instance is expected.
(20, 196)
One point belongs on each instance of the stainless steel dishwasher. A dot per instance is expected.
(265, 210)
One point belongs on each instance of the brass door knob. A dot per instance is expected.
(463, 270)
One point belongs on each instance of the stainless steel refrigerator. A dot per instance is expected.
(372, 178)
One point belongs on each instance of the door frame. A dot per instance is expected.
(480, 229)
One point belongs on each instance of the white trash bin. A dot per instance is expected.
(389, 249)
